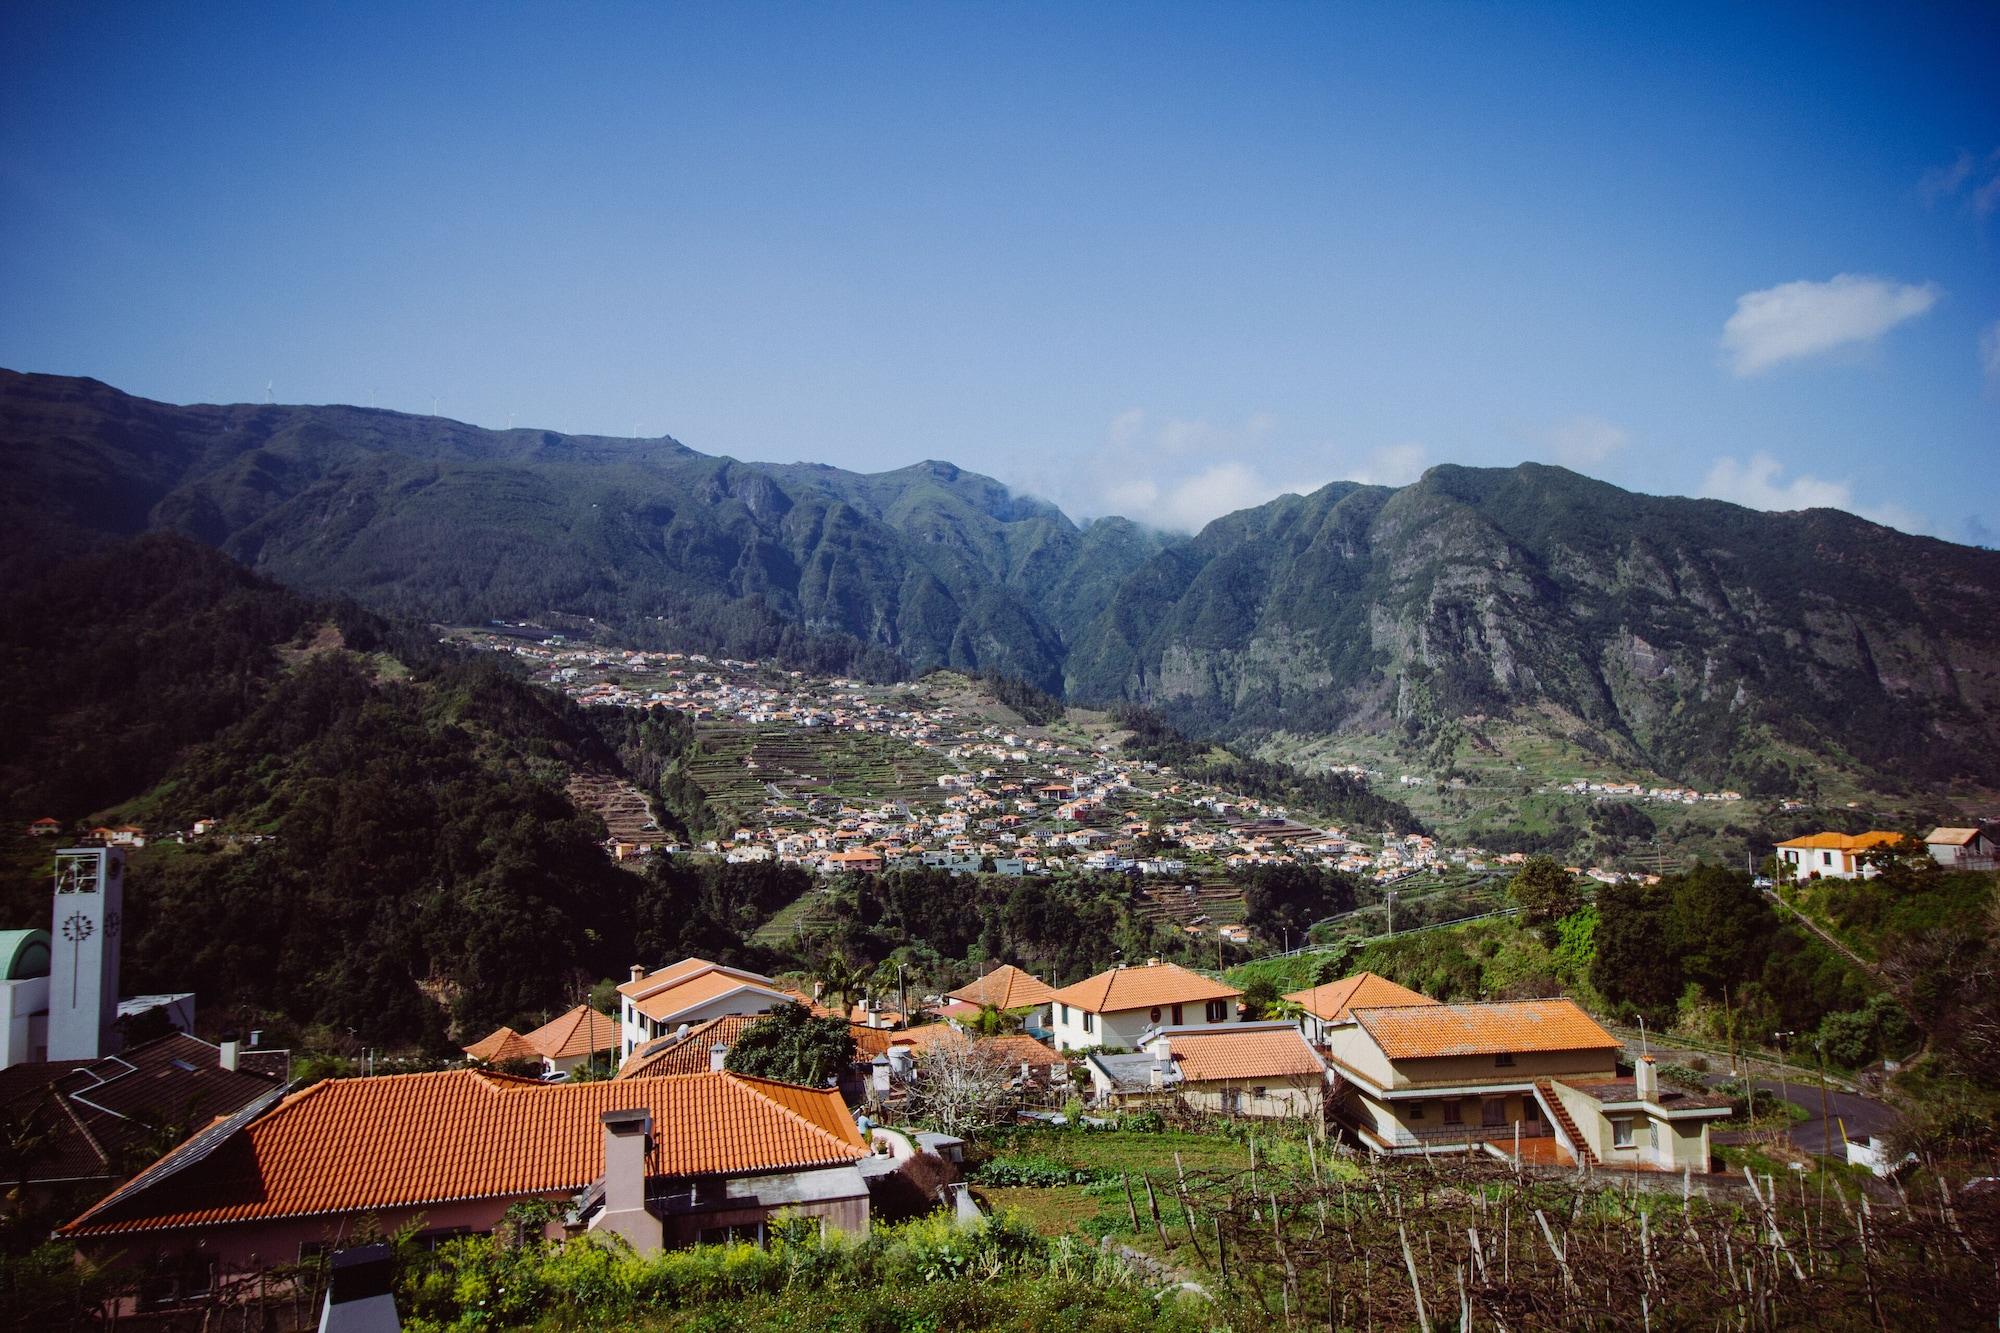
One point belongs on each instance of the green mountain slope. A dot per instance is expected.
(1696, 639)
(1692, 635)
(428, 518)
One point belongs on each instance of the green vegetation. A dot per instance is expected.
(924, 1274)
(792, 1046)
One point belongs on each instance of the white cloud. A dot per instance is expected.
(1802, 319)
(1583, 441)
(1757, 485)
(1974, 180)
(1391, 465)
(1989, 354)
(1180, 474)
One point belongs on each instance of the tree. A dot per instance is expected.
(961, 1086)
(792, 1046)
(1283, 900)
(841, 978)
(1635, 962)
(1545, 893)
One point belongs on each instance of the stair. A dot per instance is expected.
(1559, 1116)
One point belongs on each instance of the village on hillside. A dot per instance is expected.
(950, 785)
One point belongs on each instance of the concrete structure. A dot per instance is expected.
(1428, 1078)
(83, 972)
(1964, 848)
(24, 997)
(1262, 1070)
(1117, 1008)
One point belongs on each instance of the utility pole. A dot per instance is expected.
(1825, 1113)
(1784, 1086)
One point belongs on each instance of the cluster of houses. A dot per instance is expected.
(1007, 802)
(673, 1148)
(1639, 791)
(1857, 855)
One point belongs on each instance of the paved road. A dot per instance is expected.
(1860, 1116)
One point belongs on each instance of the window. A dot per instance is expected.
(1256, 1092)
(1493, 1113)
(744, 1233)
(1232, 1101)
(1154, 1017)
(1531, 1110)
(1454, 1113)
(1089, 1021)
(1177, 1016)
(1416, 1111)
(1621, 1132)
(1504, 1060)
(1062, 1013)
(1217, 1010)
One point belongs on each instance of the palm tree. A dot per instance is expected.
(842, 978)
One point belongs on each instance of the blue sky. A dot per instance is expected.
(1157, 260)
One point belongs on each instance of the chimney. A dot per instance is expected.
(358, 1293)
(638, 971)
(228, 1050)
(628, 1143)
(1647, 1079)
(878, 1071)
(717, 1055)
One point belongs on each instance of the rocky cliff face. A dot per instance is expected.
(1692, 634)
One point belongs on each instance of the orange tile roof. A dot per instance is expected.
(581, 1031)
(677, 999)
(502, 1044)
(1124, 988)
(1012, 1048)
(689, 1054)
(680, 971)
(410, 1140)
(1426, 1031)
(1332, 1001)
(1844, 842)
(1270, 1053)
(1006, 987)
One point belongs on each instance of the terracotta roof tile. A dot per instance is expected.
(664, 1006)
(581, 1031)
(1844, 842)
(502, 1044)
(1124, 988)
(1270, 1053)
(1419, 1032)
(689, 1054)
(1332, 1001)
(1012, 1048)
(1006, 987)
(354, 1145)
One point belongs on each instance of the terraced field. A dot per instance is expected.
(627, 815)
(738, 764)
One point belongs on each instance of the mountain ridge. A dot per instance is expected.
(1693, 634)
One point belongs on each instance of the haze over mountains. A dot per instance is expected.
(1704, 639)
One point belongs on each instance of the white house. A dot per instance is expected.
(655, 1004)
(1116, 1008)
